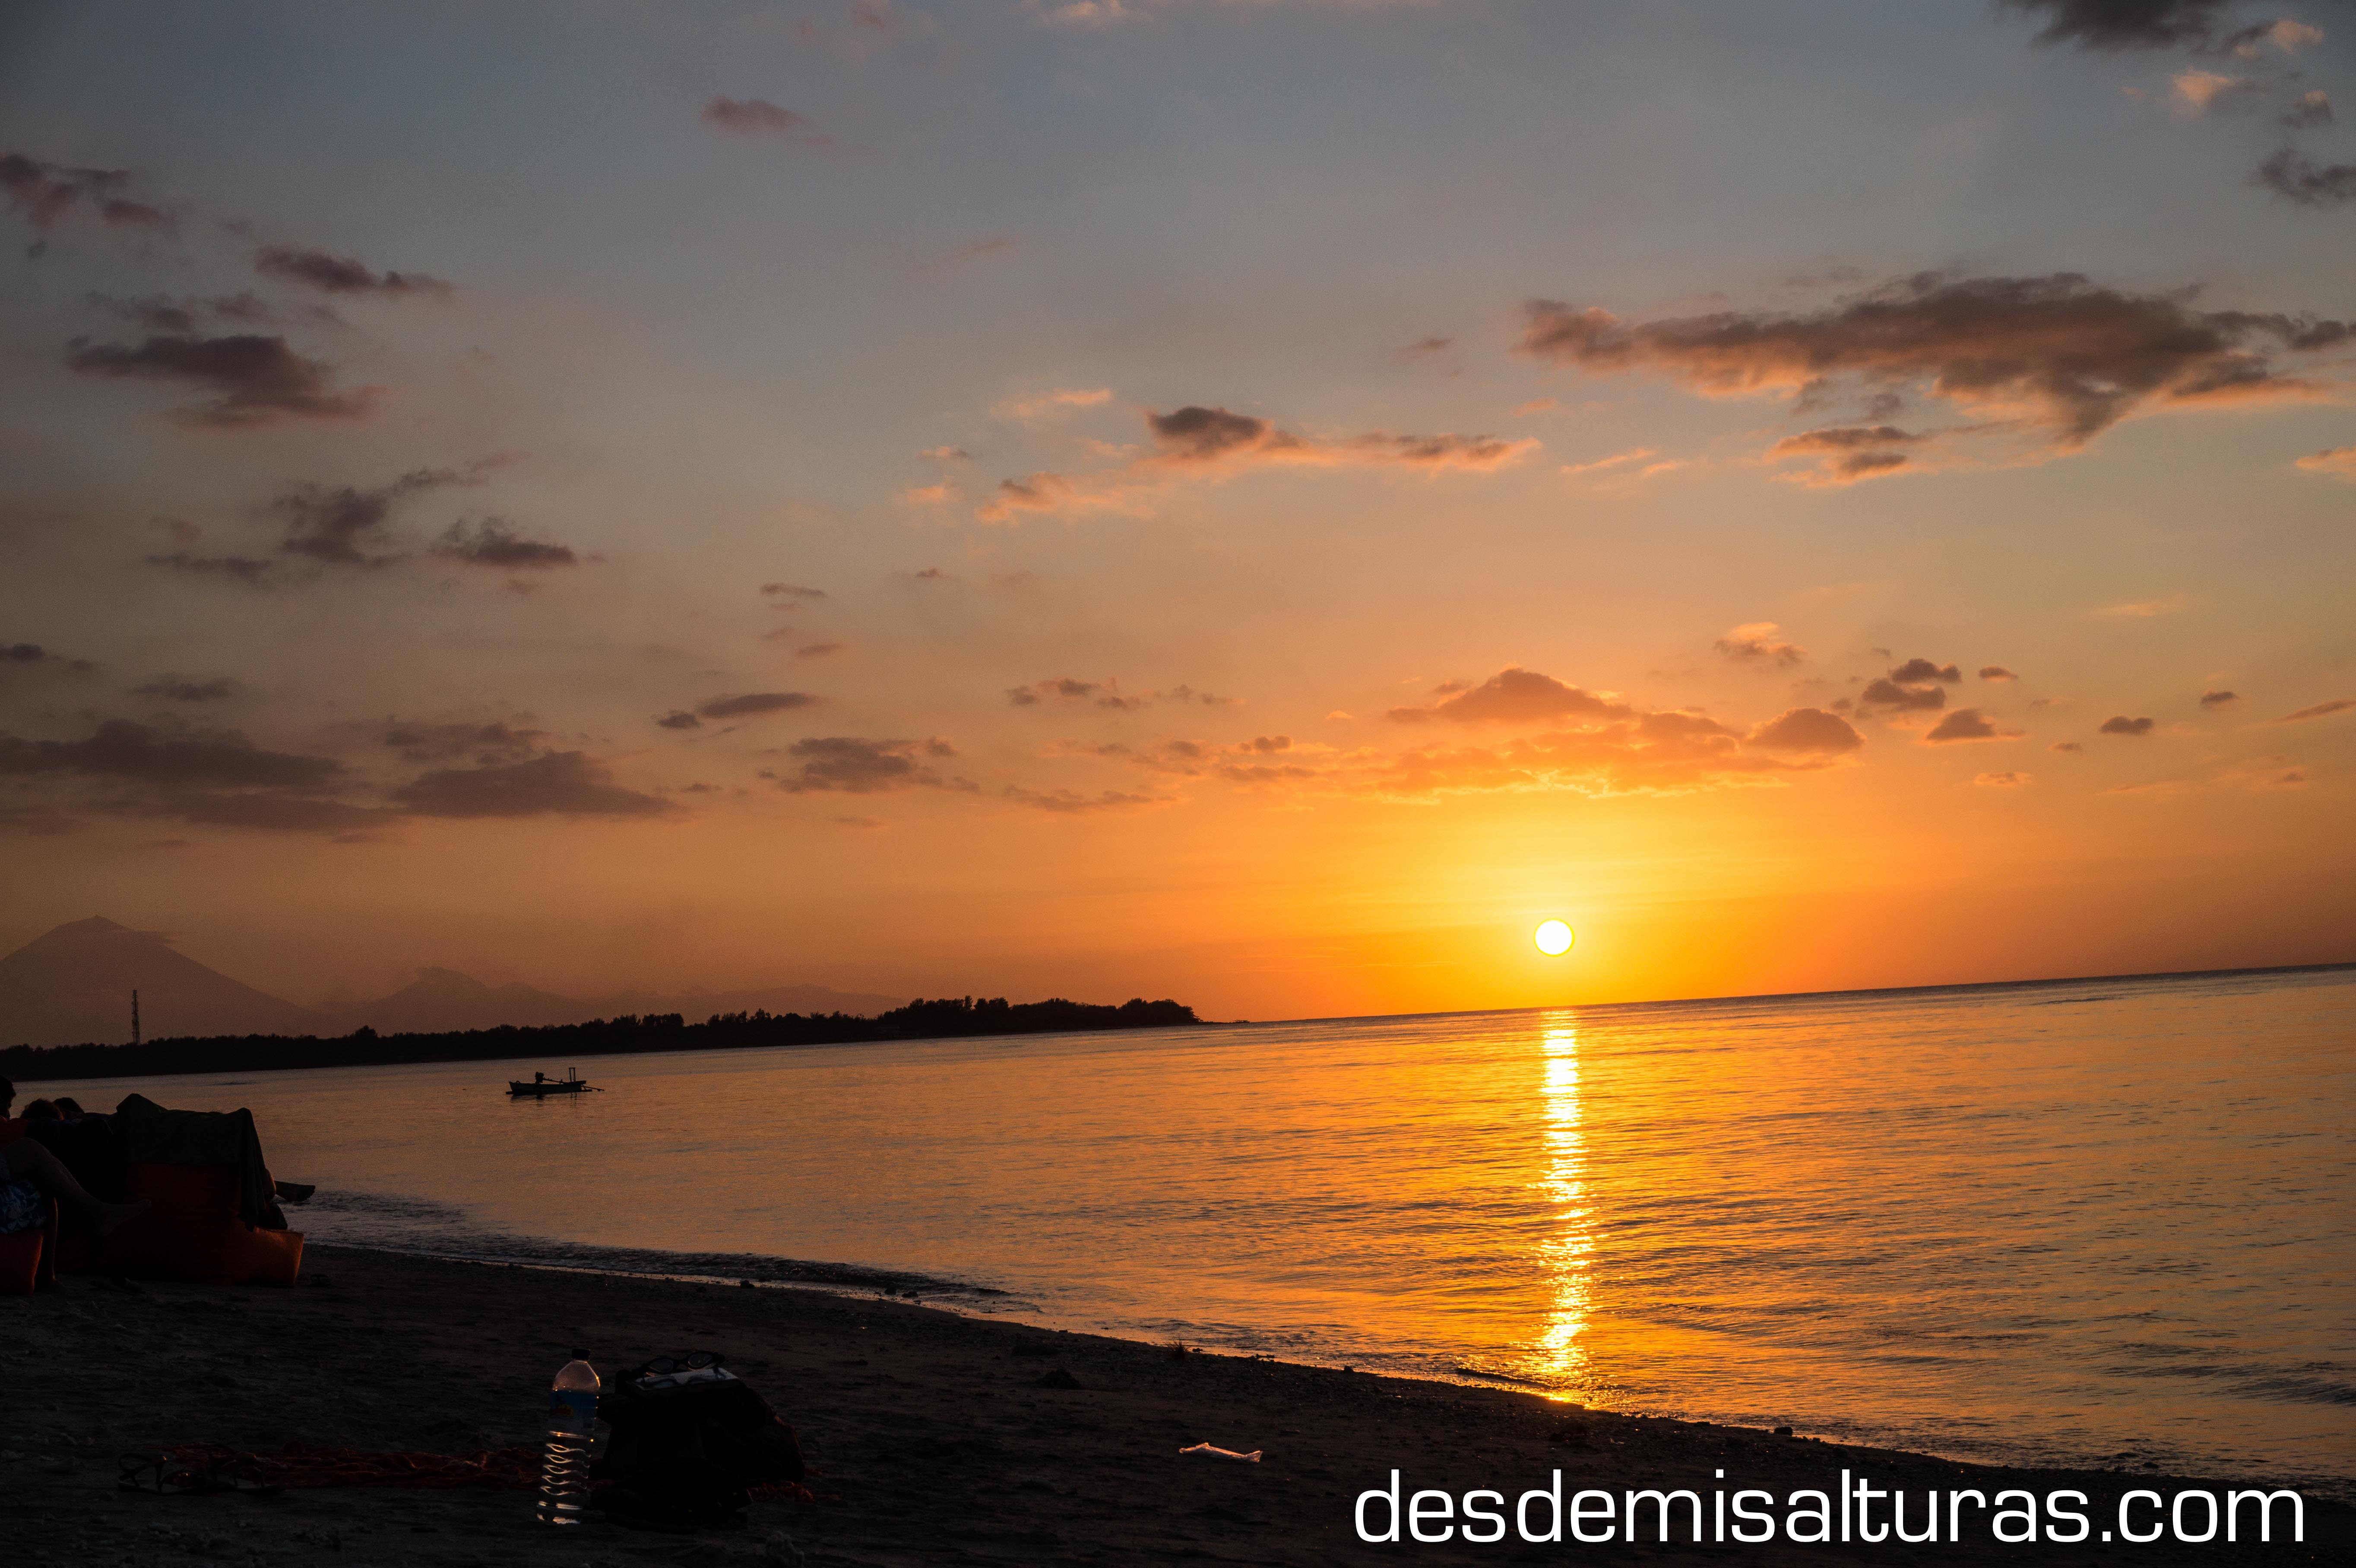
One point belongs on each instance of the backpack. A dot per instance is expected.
(687, 1455)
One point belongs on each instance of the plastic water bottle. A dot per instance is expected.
(571, 1429)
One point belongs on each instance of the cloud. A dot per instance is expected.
(787, 595)
(1758, 642)
(2057, 358)
(494, 542)
(679, 718)
(179, 759)
(1919, 669)
(2291, 174)
(23, 653)
(854, 765)
(1106, 693)
(759, 117)
(495, 742)
(1070, 803)
(2006, 780)
(1423, 347)
(162, 313)
(1514, 695)
(2340, 461)
(2111, 26)
(1967, 724)
(2146, 608)
(2311, 111)
(1034, 408)
(554, 783)
(340, 525)
(1914, 686)
(756, 705)
(48, 193)
(1997, 672)
(2320, 710)
(946, 454)
(2217, 699)
(940, 495)
(179, 689)
(1203, 441)
(1849, 453)
(1617, 460)
(822, 650)
(256, 381)
(340, 274)
(2196, 90)
(2120, 724)
(1807, 729)
(2065, 746)
(238, 567)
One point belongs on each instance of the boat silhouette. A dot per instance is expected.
(542, 1086)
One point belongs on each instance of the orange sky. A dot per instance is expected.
(1261, 504)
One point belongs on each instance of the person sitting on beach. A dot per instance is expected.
(40, 1111)
(29, 1174)
(68, 1108)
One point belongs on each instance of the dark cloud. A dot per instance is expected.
(237, 568)
(485, 743)
(179, 689)
(1997, 672)
(340, 274)
(256, 379)
(2289, 172)
(851, 765)
(1921, 669)
(23, 653)
(679, 718)
(2311, 111)
(2111, 26)
(495, 542)
(1760, 642)
(2065, 746)
(759, 117)
(1850, 452)
(1514, 696)
(1886, 693)
(2120, 724)
(1072, 803)
(554, 783)
(755, 704)
(821, 650)
(163, 314)
(2320, 710)
(2072, 355)
(340, 525)
(2217, 699)
(48, 194)
(172, 759)
(1424, 346)
(273, 812)
(788, 594)
(1807, 729)
(1198, 434)
(1969, 724)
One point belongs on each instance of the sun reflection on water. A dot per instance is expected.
(1566, 1257)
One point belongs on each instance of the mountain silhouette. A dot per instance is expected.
(75, 984)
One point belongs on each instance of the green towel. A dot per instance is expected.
(153, 1136)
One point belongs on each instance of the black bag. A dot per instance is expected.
(685, 1457)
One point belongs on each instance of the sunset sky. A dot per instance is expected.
(1257, 501)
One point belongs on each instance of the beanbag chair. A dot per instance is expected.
(192, 1231)
(20, 1261)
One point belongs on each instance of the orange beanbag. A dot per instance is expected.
(20, 1261)
(191, 1233)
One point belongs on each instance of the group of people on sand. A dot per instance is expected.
(36, 1188)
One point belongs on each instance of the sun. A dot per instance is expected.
(1554, 939)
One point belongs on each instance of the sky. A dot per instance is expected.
(1255, 501)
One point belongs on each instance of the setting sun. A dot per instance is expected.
(1554, 938)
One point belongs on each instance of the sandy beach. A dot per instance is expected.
(930, 1436)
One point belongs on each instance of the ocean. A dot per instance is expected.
(2105, 1223)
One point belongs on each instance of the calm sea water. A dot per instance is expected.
(2102, 1221)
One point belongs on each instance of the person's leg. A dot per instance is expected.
(25, 1161)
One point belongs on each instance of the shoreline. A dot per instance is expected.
(930, 1434)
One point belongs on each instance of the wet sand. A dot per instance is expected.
(929, 1435)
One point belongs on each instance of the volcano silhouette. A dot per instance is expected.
(74, 985)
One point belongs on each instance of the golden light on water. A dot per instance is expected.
(1554, 938)
(1567, 1255)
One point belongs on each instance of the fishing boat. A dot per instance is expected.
(542, 1086)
